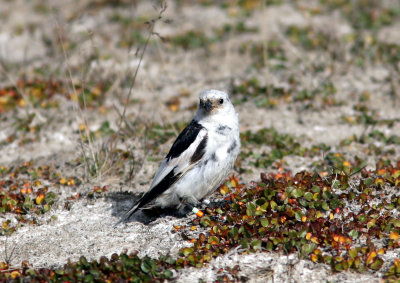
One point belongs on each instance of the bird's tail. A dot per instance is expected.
(130, 212)
(153, 193)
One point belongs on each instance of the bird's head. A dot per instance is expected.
(213, 102)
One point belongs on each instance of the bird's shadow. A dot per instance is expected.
(123, 201)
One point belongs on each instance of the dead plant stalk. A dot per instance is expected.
(96, 154)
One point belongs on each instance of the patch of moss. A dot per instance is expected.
(365, 14)
(123, 267)
(308, 38)
(269, 96)
(192, 39)
(281, 145)
(25, 192)
(43, 94)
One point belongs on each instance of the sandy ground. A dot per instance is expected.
(30, 34)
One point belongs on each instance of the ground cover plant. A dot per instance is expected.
(92, 94)
(333, 219)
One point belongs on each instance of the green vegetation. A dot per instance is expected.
(24, 192)
(308, 38)
(269, 96)
(281, 145)
(306, 213)
(43, 94)
(365, 14)
(118, 267)
(339, 213)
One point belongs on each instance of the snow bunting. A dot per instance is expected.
(200, 158)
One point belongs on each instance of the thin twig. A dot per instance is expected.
(152, 24)
(7, 256)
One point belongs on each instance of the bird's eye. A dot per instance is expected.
(221, 101)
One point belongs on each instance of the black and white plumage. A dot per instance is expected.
(200, 158)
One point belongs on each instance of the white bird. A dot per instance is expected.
(200, 158)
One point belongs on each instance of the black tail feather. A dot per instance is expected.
(157, 190)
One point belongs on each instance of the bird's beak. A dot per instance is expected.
(208, 106)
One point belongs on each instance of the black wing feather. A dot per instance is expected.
(185, 139)
(200, 150)
(157, 190)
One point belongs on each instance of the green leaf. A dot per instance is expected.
(292, 234)
(307, 248)
(339, 266)
(316, 189)
(316, 196)
(368, 181)
(334, 203)
(145, 266)
(353, 253)
(233, 232)
(302, 233)
(251, 209)
(186, 251)
(168, 274)
(244, 244)
(50, 197)
(298, 215)
(213, 239)
(335, 184)
(327, 259)
(95, 272)
(256, 244)
(264, 222)
(265, 206)
(89, 278)
(389, 206)
(354, 234)
(308, 196)
(377, 264)
(326, 195)
(325, 206)
(205, 221)
(305, 203)
(191, 258)
(297, 193)
(362, 218)
(371, 223)
(273, 204)
(83, 261)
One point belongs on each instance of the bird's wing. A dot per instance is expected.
(181, 151)
(186, 152)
